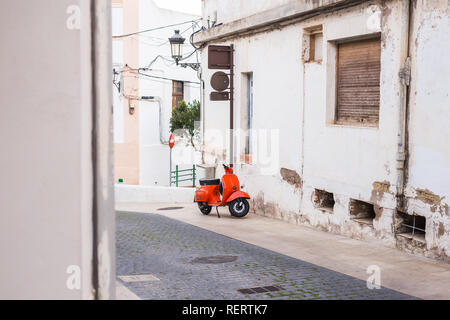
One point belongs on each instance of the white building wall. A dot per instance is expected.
(348, 160)
(46, 115)
(117, 59)
(154, 156)
(297, 99)
(222, 12)
(154, 130)
(428, 187)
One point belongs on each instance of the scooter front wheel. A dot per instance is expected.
(205, 209)
(239, 207)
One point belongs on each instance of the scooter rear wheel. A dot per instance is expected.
(239, 207)
(205, 209)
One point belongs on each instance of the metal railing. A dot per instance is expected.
(185, 175)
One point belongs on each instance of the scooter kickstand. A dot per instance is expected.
(217, 210)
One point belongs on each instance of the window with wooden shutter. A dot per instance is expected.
(358, 82)
(177, 92)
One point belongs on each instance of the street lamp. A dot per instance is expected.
(176, 47)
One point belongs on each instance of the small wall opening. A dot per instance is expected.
(323, 200)
(362, 212)
(410, 226)
(312, 44)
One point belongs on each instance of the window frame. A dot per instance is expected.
(336, 121)
(309, 41)
(176, 94)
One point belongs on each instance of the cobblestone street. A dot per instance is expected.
(169, 251)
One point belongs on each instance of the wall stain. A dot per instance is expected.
(378, 211)
(441, 230)
(428, 197)
(385, 13)
(379, 189)
(291, 177)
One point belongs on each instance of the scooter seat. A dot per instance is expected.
(209, 182)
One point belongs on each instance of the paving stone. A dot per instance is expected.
(166, 248)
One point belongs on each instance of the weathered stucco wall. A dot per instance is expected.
(297, 100)
(229, 11)
(240, 9)
(428, 185)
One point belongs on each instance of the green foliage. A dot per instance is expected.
(184, 116)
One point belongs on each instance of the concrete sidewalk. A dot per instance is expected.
(417, 276)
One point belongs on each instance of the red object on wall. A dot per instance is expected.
(171, 141)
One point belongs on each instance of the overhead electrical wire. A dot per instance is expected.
(143, 42)
(191, 39)
(139, 33)
(153, 29)
(164, 78)
(138, 72)
(184, 31)
(165, 42)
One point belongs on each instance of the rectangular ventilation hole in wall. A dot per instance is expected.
(323, 200)
(362, 212)
(410, 226)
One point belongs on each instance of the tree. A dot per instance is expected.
(183, 119)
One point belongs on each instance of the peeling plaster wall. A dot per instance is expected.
(428, 188)
(347, 160)
(351, 162)
(276, 98)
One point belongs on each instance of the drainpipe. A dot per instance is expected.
(202, 112)
(157, 99)
(405, 76)
(303, 132)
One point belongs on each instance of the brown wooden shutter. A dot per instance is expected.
(358, 82)
(177, 92)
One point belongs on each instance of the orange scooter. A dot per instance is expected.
(216, 193)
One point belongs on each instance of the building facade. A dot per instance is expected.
(147, 85)
(340, 112)
(57, 225)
